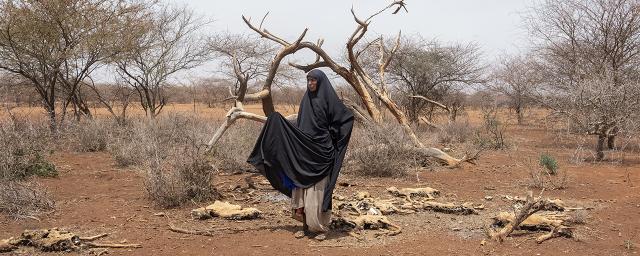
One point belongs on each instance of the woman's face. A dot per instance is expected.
(312, 84)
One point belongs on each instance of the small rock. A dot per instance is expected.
(362, 195)
(373, 211)
(456, 229)
(483, 242)
(338, 197)
(345, 184)
(488, 198)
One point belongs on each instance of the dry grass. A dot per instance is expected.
(23, 149)
(139, 140)
(233, 149)
(170, 150)
(91, 135)
(455, 132)
(24, 146)
(381, 151)
(183, 176)
(24, 199)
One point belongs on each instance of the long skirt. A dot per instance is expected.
(311, 199)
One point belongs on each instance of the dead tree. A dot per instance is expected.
(360, 80)
(243, 76)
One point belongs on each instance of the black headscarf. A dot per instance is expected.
(303, 154)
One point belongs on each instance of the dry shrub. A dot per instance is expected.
(139, 140)
(23, 199)
(492, 134)
(578, 217)
(90, 135)
(128, 144)
(24, 146)
(182, 176)
(455, 132)
(381, 151)
(233, 149)
(171, 151)
(541, 178)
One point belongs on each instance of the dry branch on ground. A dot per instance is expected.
(57, 240)
(528, 218)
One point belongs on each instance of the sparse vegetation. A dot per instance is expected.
(492, 133)
(380, 152)
(455, 132)
(24, 146)
(549, 163)
(184, 175)
(91, 135)
(170, 150)
(23, 199)
(546, 174)
(231, 153)
(118, 129)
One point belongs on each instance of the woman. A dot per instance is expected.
(303, 160)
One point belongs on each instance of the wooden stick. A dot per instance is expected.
(91, 238)
(207, 232)
(100, 245)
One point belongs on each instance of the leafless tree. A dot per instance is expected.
(212, 90)
(590, 51)
(516, 77)
(245, 60)
(56, 44)
(171, 43)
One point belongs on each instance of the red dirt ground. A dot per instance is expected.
(94, 196)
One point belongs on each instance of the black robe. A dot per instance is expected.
(312, 149)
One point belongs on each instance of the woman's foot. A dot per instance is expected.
(299, 234)
(321, 236)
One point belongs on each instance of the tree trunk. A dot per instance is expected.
(52, 118)
(453, 114)
(600, 147)
(267, 105)
(519, 114)
(611, 142)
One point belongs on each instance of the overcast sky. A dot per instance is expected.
(495, 25)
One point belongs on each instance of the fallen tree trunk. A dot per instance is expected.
(525, 218)
(232, 116)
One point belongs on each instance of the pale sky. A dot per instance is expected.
(494, 24)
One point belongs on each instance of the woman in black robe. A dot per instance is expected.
(303, 161)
